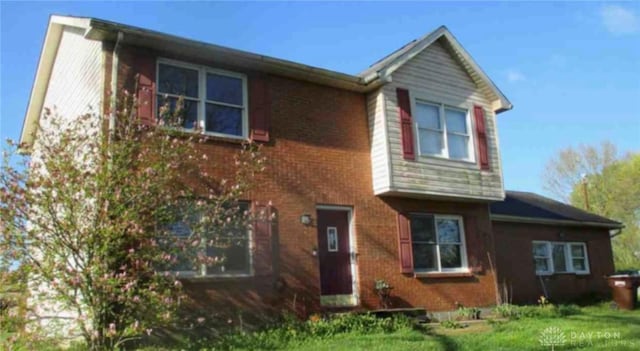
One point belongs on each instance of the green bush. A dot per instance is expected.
(468, 313)
(507, 310)
(292, 331)
(538, 311)
(449, 324)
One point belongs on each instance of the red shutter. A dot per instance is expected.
(483, 149)
(262, 258)
(146, 68)
(406, 124)
(404, 244)
(259, 108)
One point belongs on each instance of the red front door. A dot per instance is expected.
(334, 252)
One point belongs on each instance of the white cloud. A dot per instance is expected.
(618, 20)
(515, 76)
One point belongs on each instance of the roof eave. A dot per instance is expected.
(383, 74)
(105, 30)
(549, 221)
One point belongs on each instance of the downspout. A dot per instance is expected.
(114, 85)
(615, 232)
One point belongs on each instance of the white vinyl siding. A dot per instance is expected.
(74, 89)
(435, 76)
(379, 146)
(75, 86)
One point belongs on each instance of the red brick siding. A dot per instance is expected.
(319, 153)
(516, 267)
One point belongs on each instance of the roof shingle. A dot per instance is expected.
(530, 205)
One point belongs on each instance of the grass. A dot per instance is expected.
(619, 330)
(589, 328)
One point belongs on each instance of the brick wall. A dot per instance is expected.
(319, 153)
(516, 268)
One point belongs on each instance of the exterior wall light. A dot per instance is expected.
(305, 219)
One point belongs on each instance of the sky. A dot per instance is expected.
(571, 70)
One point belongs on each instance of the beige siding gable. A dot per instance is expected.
(378, 136)
(436, 76)
(75, 86)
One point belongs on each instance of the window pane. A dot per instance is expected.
(231, 250)
(177, 80)
(577, 251)
(185, 260)
(232, 257)
(422, 229)
(540, 250)
(450, 256)
(431, 142)
(458, 146)
(224, 89)
(579, 265)
(448, 231)
(424, 256)
(184, 218)
(428, 116)
(559, 262)
(187, 118)
(542, 265)
(223, 119)
(456, 121)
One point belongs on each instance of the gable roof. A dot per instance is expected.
(385, 67)
(519, 206)
(375, 76)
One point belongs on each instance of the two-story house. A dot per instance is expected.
(393, 174)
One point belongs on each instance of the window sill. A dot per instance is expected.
(209, 136)
(213, 278)
(462, 274)
(582, 274)
(440, 160)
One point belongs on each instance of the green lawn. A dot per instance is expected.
(590, 328)
(619, 330)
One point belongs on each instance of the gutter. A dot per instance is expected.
(114, 85)
(105, 30)
(564, 222)
(615, 232)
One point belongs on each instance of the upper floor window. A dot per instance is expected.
(560, 257)
(444, 131)
(215, 101)
(438, 243)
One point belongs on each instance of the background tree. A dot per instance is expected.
(91, 217)
(598, 180)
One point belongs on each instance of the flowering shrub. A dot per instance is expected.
(89, 214)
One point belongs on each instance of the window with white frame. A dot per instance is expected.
(225, 253)
(215, 101)
(438, 243)
(560, 257)
(541, 257)
(444, 131)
